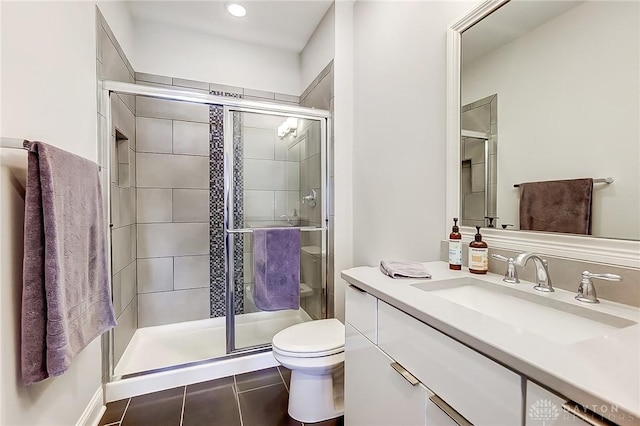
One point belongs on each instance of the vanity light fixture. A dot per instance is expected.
(236, 9)
(289, 126)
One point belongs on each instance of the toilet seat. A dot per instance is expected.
(308, 354)
(311, 339)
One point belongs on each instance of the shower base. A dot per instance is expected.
(153, 348)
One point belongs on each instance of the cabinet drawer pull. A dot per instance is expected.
(449, 411)
(404, 373)
(357, 288)
(583, 414)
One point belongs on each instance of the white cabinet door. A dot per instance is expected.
(375, 394)
(482, 391)
(544, 408)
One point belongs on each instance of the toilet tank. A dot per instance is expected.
(310, 263)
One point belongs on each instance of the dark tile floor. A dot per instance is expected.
(258, 398)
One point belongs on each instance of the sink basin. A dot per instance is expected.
(540, 314)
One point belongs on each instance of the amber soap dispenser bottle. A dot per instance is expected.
(455, 247)
(478, 255)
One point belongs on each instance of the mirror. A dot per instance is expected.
(551, 91)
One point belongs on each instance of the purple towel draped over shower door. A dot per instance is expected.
(66, 301)
(557, 206)
(276, 268)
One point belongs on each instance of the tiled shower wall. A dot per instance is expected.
(271, 175)
(112, 64)
(310, 172)
(480, 116)
(173, 211)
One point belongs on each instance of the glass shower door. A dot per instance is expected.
(275, 171)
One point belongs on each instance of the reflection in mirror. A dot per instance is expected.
(567, 76)
(478, 142)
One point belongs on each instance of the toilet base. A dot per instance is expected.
(316, 397)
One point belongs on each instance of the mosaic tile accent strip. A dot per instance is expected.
(216, 210)
(238, 217)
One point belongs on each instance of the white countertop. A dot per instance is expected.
(599, 371)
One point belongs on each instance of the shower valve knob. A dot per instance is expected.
(310, 199)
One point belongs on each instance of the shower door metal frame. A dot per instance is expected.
(323, 119)
(104, 159)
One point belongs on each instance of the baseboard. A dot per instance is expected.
(94, 411)
(153, 382)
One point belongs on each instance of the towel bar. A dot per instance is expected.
(15, 143)
(301, 228)
(606, 180)
(12, 143)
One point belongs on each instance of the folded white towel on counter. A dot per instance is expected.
(403, 269)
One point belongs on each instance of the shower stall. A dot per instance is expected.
(191, 175)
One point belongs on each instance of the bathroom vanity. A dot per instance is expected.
(458, 349)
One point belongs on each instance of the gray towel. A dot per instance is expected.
(276, 268)
(66, 301)
(557, 206)
(400, 269)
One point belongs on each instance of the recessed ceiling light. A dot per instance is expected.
(236, 10)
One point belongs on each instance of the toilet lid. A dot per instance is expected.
(312, 338)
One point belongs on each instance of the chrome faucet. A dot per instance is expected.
(543, 280)
(291, 220)
(286, 218)
(586, 289)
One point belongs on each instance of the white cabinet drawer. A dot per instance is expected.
(361, 312)
(375, 394)
(544, 408)
(482, 391)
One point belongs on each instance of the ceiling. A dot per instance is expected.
(508, 23)
(280, 24)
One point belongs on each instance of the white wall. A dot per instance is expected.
(176, 52)
(399, 128)
(563, 115)
(320, 49)
(48, 83)
(49, 74)
(343, 149)
(119, 18)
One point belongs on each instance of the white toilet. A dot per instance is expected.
(314, 352)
